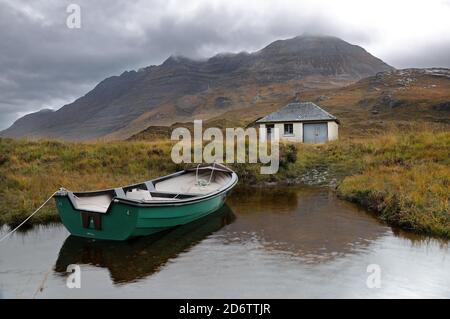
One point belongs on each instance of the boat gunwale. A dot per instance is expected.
(155, 203)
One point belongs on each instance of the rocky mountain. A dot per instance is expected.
(396, 99)
(181, 89)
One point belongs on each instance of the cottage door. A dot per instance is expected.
(315, 133)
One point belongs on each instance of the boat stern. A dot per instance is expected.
(117, 223)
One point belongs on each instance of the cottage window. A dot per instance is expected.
(288, 129)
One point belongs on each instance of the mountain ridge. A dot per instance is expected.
(182, 88)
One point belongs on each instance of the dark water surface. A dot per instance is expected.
(283, 243)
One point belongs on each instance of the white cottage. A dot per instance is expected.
(303, 122)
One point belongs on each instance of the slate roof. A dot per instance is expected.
(298, 112)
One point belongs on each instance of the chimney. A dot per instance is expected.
(297, 96)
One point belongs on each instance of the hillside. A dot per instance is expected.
(181, 89)
(389, 100)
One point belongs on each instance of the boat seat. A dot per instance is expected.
(96, 204)
(138, 194)
(150, 186)
(119, 192)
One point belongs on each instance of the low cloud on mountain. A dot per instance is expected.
(44, 64)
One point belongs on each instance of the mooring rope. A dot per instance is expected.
(12, 231)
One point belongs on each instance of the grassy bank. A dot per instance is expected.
(403, 177)
(406, 180)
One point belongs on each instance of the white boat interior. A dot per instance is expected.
(96, 203)
(189, 183)
(193, 183)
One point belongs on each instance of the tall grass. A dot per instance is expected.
(405, 177)
(32, 170)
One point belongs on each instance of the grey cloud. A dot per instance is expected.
(44, 64)
(431, 55)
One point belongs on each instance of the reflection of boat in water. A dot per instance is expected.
(140, 257)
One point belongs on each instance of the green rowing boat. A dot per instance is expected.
(146, 208)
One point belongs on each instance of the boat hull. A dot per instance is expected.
(123, 221)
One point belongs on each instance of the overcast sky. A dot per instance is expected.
(44, 64)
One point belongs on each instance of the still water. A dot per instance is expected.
(266, 243)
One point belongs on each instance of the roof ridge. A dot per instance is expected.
(330, 115)
(307, 111)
